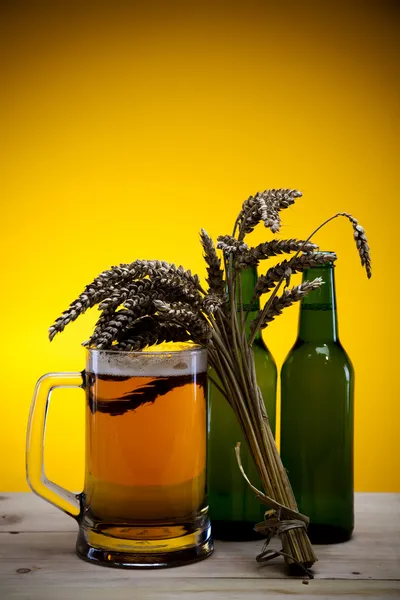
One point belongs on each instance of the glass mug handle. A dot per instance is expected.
(67, 501)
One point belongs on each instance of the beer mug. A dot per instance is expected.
(144, 502)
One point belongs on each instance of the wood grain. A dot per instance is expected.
(37, 561)
(204, 589)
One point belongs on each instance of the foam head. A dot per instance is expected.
(147, 364)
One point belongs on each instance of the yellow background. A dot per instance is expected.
(128, 126)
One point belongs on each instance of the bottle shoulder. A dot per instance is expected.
(260, 349)
(318, 351)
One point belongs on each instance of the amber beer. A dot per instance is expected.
(145, 450)
(145, 446)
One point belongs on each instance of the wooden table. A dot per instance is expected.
(37, 562)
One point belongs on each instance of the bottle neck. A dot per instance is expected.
(248, 278)
(318, 316)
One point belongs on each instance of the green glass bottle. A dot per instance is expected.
(234, 510)
(317, 384)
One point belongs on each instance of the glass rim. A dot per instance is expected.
(196, 349)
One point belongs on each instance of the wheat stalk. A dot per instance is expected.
(230, 245)
(216, 282)
(361, 242)
(251, 257)
(288, 297)
(111, 280)
(182, 314)
(297, 264)
(151, 331)
(264, 206)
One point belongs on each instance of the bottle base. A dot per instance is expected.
(328, 534)
(234, 531)
(144, 547)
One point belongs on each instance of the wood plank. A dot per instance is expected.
(25, 511)
(53, 554)
(28, 587)
(45, 552)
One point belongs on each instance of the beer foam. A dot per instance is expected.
(145, 364)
